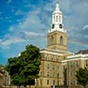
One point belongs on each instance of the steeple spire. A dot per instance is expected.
(57, 35)
(57, 20)
(57, 7)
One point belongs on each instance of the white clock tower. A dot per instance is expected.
(57, 38)
(57, 22)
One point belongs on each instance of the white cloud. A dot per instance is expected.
(0, 41)
(29, 27)
(86, 26)
(30, 21)
(11, 29)
(31, 33)
(28, 5)
(75, 15)
(49, 6)
(6, 43)
(10, 41)
(86, 36)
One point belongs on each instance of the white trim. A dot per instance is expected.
(76, 57)
(49, 52)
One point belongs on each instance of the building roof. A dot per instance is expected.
(82, 52)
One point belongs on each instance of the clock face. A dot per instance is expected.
(52, 25)
(60, 25)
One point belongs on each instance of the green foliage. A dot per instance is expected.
(24, 69)
(82, 76)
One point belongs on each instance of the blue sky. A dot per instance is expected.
(25, 22)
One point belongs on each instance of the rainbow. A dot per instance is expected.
(78, 43)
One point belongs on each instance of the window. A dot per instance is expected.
(59, 18)
(47, 82)
(57, 82)
(57, 75)
(77, 63)
(53, 82)
(52, 39)
(56, 18)
(53, 67)
(61, 40)
(53, 75)
(70, 82)
(47, 74)
(86, 63)
(47, 66)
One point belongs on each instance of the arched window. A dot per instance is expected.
(53, 82)
(47, 82)
(61, 40)
(52, 40)
(59, 18)
(56, 18)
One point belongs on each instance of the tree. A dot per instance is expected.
(82, 77)
(24, 69)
